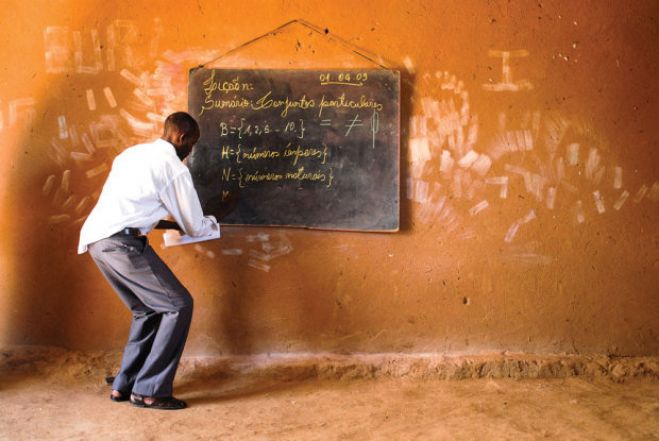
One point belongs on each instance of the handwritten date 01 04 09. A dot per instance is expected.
(344, 78)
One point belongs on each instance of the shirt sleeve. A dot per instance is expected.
(181, 200)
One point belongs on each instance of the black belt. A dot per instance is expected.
(128, 232)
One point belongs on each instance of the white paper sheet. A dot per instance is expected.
(174, 238)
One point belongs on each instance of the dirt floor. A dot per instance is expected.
(63, 396)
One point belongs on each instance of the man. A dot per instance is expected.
(148, 182)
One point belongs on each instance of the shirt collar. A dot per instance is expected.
(165, 145)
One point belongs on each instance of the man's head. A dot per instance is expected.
(182, 131)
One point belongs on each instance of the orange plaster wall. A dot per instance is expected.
(487, 259)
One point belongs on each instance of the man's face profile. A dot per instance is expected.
(185, 143)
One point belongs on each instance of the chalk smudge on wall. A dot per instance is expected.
(458, 174)
(507, 84)
(19, 111)
(558, 161)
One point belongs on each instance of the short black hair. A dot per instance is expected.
(181, 121)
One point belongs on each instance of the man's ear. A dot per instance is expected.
(179, 137)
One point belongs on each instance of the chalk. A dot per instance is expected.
(171, 56)
(159, 31)
(512, 231)
(551, 198)
(109, 96)
(506, 72)
(450, 81)
(535, 122)
(409, 188)
(52, 154)
(510, 142)
(409, 65)
(431, 210)
(421, 191)
(63, 189)
(91, 100)
(419, 149)
(580, 213)
(472, 135)
(57, 48)
(573, 154)
(111, 60)
(93, 172)
(598, 175)
(58, 218)
(640, 194)
(457, 185)
(451, 225)
(259, 255)
(464, 95)
(525, 140)
(516, 169)
(66, 179)
(560, 169)
(105, 132)
(21, 106)
(260, 237)
(61, 151)
(528, 218)
(80, 157)
(482, 205)
(258, 265)
(591, 163)
(497, 180)
(502, 119)
(77, 55)
(429, 106)
(467, 160)
(446, 162)
(654, 192)
(48, 185)
(143, 98)
(466, 235)
(89, 146)
(418, 126)
(482, 165)
(155, 117)
(473, 186)
(268, 247)
(139, 127)
(502, 181)
(81, 205)
(599, 202)
(617, 178)
(128, 75)
(534, 184)
(68, 201)
(621, 200)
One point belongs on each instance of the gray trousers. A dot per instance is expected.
(161, 308)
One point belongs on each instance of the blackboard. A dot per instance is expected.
(302, 148)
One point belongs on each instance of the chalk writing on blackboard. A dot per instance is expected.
(316, 149)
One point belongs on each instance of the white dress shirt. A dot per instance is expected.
(147, 182)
